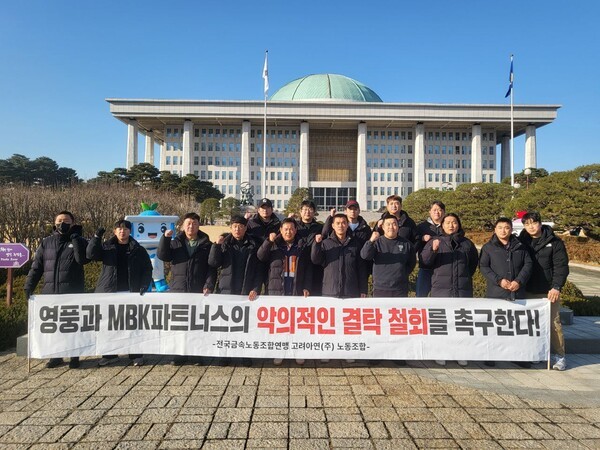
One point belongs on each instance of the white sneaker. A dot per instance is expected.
(560, 364)
(138, 362)
(277, 361)
(440, 362)
(300, 362)
(462, 363)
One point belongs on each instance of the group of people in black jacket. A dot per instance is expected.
(299, 256)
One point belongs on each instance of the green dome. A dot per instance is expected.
(326, 86)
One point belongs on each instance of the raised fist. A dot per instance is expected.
(100, 232)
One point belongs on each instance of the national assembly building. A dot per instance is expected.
(332, 135)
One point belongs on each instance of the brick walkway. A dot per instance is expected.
(335, 405)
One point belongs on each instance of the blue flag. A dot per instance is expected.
(510, 78)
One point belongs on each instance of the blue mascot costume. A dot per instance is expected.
(147, 229)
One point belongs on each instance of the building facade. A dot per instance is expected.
(333, 135)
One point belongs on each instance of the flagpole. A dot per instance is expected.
(266, 91)
(512, 126)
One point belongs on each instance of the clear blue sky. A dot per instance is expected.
(61, 59)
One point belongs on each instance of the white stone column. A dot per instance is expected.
(303, 176)
(361, 166)
(419, 154)
(245, 157)
(186, 159)
(530, 148)
(149, 153)
(132, 144)
(163, 154)
(476, 157)
(505, 158)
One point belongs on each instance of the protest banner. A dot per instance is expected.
(289, 327)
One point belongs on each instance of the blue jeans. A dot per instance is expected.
(424, 282)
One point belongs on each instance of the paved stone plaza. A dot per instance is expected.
(318, 406)
(334, 405)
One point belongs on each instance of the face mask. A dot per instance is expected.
(63, 227)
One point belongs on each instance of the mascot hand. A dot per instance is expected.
(161, 285)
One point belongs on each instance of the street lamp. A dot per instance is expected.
(527, 172)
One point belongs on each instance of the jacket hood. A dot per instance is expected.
(203, 238)
(304, 225)
(513, 241)
(403, 217)
(132, 242)
(460, 234)
(431, 222)
(273, 220)
(362, 223)
(297, 240)
(547, 236)
(248, 239)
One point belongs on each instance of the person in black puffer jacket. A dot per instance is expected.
(264, 221)
(261, 225)
(432, 227)
(453, 259)
(288, 261)
(308, 228)
(345, 273)
(188, 254)
(357, 225)
(505, 263)
(60, 260)
(550, 271)
(235, 254)
(241, 271)
(126, 267)
(407, 228)
(289, 266)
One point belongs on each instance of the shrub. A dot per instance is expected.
(583, 306)
(13, 319)
(572, 297)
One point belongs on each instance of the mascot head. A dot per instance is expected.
(149, 225)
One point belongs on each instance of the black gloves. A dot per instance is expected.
(143, 290)
(100, 232)
(75, 231)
